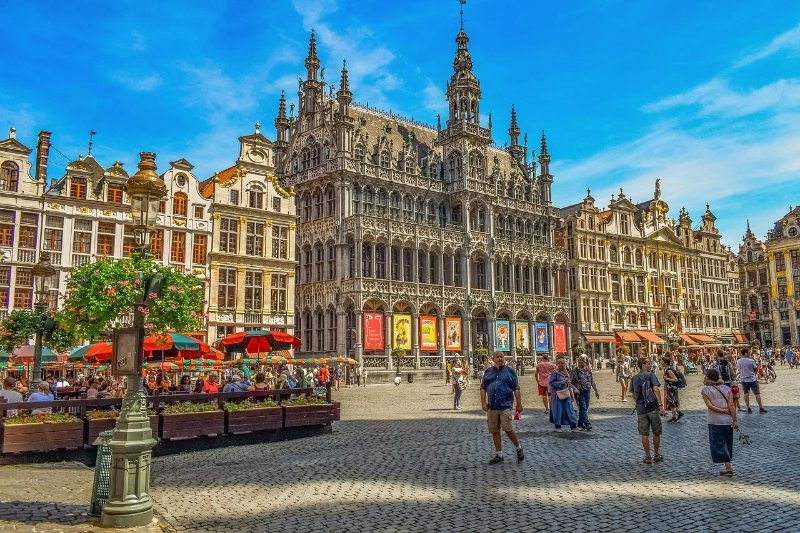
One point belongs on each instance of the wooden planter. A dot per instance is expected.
(254, 420)
(42, 437)
(95, 427)
(311, 415)
(191, 425)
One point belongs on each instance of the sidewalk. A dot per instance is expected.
(51, 497)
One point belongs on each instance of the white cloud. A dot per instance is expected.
(138, 83)
(433, 96)
(716, 97)
(789, 40)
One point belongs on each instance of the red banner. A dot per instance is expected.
(560, 338)
(373, 331)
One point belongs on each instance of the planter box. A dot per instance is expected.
(191, 425)
(42, 437)
(254, 420)
(311, 415)
(95, 427)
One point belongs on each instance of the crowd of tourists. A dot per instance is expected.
(566, 393)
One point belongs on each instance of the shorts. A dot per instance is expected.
(499, 419)
(542, 390)
(649, 422)
(751, 386)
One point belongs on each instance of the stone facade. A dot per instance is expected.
(636, 276)
(252, 251)
(754, 273)
(408, 223)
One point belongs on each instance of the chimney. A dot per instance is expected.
(42, 154)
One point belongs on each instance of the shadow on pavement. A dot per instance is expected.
(36, 513)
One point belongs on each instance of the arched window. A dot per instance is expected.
(317, 204)
(643, 319)
(331, 273)
(408, 165)
(629, 291)
(383, 202)
(385, 159)
(305, 159)
(319, 331)
(442, 215)
(369, 200)
(358, 152)
(408, 207)
(638, 256)
(331, 319)
(617, 318)
(9, 176)
(330, 201)
(481, 219)
(179, 204)
(419, 210)
(433, 169)
(431, 212)
(626, 255)
(255, 197)
(315, 151)
(356, 199)
(308, 331)
(454, 168)
(475, 165)
(394, 204)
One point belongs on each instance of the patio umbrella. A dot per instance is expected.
(258, 341)
(310, 361)
(24, 354)
(169, 345)
(82, 353)
(272, 360)
(339, 359)
(163, 365)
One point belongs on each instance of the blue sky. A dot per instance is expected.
(704, 95)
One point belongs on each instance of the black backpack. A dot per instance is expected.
(724, 370)
(681, 383)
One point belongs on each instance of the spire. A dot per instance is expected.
(462, 2)
(544, 158)
(312, 61)
(748, 233)
(92, 133)
(513, 130)
(463, 89)
(344, 96)
(281, 123)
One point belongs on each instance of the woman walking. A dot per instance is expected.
(673, 400)
(561, 390)
(457, 379)
(721, 420)
(623, 371)
(583, 380)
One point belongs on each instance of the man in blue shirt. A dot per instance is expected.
(499, 389)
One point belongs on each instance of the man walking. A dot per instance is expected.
(747, 375)
(499, 389)
(645, 388)
(543, 370)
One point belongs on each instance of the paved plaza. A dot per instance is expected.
(402, 460)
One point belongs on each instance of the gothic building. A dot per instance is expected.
(428, 239)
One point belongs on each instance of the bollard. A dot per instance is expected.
(102, 474)
(410, 377)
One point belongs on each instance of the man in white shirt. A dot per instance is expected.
(747, 375)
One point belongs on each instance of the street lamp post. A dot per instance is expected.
(42, 272)
(129, 503)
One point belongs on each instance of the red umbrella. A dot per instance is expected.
(258, 341)
(171, 345)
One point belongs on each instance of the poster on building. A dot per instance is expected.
(401, 332)
(503, 336)
(428, 333)
(523, 336)
(540, 339)
(373, 331)
(560, 338)
(452, 330)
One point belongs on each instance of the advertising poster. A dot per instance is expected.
(523, 336)
(401, 332)
(503, 335)
(541, 340)
(452, 337)
(428, 333)
(560, 338)
(373, 331)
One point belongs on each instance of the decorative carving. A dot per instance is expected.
(54, 205)
(84, 209)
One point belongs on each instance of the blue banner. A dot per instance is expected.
(502, 336)
(541, 337)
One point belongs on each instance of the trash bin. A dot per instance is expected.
(410, 377)
(102, 474)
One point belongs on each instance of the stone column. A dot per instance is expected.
(441, 340)
(415, 338)
(342, 333)
(359, 345)
(387, 335)
(466, 338)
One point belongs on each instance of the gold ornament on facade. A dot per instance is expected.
(108, 212)
(242, 219)
(55, 206)
(215, 216)
(83, 209)
(179, 221)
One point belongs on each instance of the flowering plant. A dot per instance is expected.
(98, 294)
(21, 325)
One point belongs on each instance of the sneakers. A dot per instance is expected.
(658, 458)
(496, 459)
(749, 411)
(624, 399)
(680, 415)
(726, 473)
(520, 455)
(762, 411)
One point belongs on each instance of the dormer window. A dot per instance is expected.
(77, 188)
(358, 152)
(9, 176)
(180, 204)
(255, 197)
(792, 232)
(385, 159)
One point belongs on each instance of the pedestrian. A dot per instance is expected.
(721, 420)
(624, 372)
(364, 377)
(646, 393)
(561, 394)
(459, 383)
(582, 378)
(543, 370)
(359, 375)
(747, 375)
(499, 390)
(337, 376)
(672, 395)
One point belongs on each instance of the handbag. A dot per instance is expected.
(563, 394)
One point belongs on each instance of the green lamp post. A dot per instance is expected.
(42, 272)
(129, 503)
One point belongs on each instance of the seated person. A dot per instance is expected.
(43, 394)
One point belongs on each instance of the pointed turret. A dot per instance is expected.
(281, 144)
(748, 233)
(344, 96)
(312, 61)
(514, 149)
(464, 89)
(544, 157)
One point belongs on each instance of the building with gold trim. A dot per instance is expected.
(252, 252)
(783, 257)
(638, 277)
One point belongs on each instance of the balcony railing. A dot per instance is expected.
(81, 259)
(26, 256)
(55, 258)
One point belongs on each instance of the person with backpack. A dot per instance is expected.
(645, 387)
(673, 384)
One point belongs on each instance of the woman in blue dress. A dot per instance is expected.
(561, 410)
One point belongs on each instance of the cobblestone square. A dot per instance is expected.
(402, 460)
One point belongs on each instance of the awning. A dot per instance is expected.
(650, 336)
(628, 336)
(703, 339)
(688, 340)
(740, 338)
(598, 338)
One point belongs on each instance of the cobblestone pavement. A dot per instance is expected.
(403, 460)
